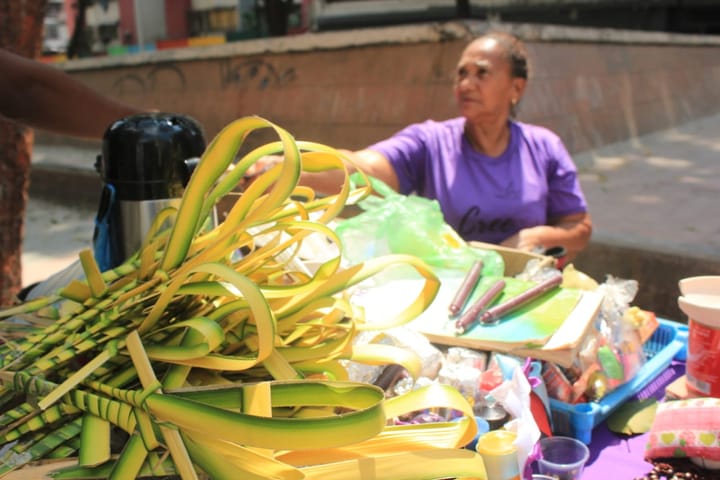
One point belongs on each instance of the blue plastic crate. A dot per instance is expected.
(667, 342)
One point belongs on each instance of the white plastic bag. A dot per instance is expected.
(514, 396)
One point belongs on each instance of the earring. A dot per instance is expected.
(514, 101)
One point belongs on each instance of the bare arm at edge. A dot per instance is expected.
(44, 97)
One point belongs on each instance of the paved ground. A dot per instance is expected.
(54, 235)
(659, 191)
(653, 201)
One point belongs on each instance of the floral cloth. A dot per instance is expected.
(686, 428)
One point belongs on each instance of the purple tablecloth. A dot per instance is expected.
(620, 457)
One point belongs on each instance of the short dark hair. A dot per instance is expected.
(515, 52)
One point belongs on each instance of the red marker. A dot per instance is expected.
(493, 314)
(469, 317)
(466, 287)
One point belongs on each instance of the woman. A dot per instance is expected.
(497, 180)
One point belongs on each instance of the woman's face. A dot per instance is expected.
(484, 87)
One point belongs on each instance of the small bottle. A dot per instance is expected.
(499, 454)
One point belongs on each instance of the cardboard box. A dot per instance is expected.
(514, 259)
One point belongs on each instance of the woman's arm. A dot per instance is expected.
(42, 96)
(329, 182)
(571, 231)
(372, 163)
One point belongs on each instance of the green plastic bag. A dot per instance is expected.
(409, 224)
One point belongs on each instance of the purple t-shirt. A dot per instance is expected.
(486, 198)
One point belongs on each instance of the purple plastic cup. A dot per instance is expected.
(562, 457)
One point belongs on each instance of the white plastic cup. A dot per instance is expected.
(700, 301)
(563, 458)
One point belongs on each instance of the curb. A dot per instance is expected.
(64, 185)
(65, 173)
(656, 271)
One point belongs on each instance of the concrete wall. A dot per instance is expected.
(351, 88)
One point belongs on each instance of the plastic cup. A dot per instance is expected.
(562, 457)
(499, 453)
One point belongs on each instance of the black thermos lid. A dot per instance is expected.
(149, 156)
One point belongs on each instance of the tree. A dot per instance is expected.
(276, 16)
(21, 28)
(463, 8)
(79, 46)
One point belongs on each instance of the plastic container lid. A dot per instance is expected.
(497, 442)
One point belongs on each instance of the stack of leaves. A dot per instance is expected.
(208, 353)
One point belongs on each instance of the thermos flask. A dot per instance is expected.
(146, 162)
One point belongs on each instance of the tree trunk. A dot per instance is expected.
(276, 16)
(463, 8)
(78, 45)
(21, 28)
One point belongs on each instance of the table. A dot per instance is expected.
(621, 457)
(613, 456)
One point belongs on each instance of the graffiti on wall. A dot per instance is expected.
(257, 73)
(169, 77)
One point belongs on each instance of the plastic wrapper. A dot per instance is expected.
(611, 354)
(409, 224)
(407, 384)
(360, 372)
(514, 396)
(619, 352)
(573, 278)
(490, 378)
(465, 357)
(557, 384)
(430, 356)
(617, 296)
(462, 368)
(538, 270)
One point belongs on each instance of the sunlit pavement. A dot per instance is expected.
(54, 236)
(658, 191)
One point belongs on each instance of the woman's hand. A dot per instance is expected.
(261, 166)
(527, 239)
(571, 232)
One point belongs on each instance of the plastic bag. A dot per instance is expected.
(514, 395)
(408, 224)
(612, 352)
